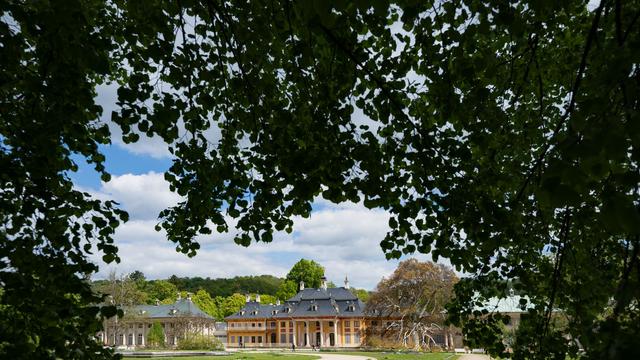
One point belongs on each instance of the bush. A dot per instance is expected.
(155, 337)
(199, 342)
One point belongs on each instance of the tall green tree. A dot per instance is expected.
(500, 135)
(204, 301)
(232, 304)
(308, 271)
(160, 290)
(138, 276)
(155, 336)
(287, 290)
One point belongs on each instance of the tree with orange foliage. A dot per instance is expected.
(414, 296)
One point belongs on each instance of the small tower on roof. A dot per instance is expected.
(346, 282)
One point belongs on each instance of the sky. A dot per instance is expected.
(343, 238)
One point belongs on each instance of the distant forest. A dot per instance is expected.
(261, 284)
(217, 297)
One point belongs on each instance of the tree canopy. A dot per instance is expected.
(500, 135)
(307, 271)
(415, 296)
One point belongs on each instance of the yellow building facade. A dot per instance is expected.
(322, 317)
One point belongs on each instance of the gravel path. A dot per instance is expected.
(473, 357)
(325, 356)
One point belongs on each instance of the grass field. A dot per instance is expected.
(289, 356)
(401, 356)
(241, 356)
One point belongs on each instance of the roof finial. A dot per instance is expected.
(179, 296)
(248, 297)
(301, 285)
(323, 283)
(257, 297)
(346, 282)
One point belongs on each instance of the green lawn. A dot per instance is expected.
(280, 356)
(401, 356)
(240, 356)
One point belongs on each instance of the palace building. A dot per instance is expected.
(323, 317)
(177, 319)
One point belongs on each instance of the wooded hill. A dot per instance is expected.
(262, 284)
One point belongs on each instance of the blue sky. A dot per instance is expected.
(343, 238)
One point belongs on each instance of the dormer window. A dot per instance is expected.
(173, 311)
(254, 312)
(287, 310)
(351, 308)
(242, 312)
(274, 312)
(313, 308)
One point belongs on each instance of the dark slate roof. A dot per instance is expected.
(329, 293)
(182, 307)
(255, 310)
(306, 303)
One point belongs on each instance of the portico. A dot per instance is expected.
(316, 332)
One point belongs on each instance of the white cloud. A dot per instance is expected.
(142, 248)
(155, 147)
(344, 238)
(142, 196)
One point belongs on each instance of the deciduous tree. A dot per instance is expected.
(287, 290)
(155, 336)
(160, 290)
(495, 133)
(414, 296)
(308, 271)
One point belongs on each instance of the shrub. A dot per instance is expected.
(155, 337)
(199, 342)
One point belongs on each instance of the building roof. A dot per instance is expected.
(308, 303)
(181, 308)
(337, 294)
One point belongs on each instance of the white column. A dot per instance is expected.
(321, 334)
(308, 337)
(295, 332)
(335, 333)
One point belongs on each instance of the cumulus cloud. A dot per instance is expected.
(142, 196)
(150, 146)
(344, 238)
(154, 146)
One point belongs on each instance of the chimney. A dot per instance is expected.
(257, 297)
(346, 282)
(278, 302)
(301, 285)
(323, 283)
(248, 298)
